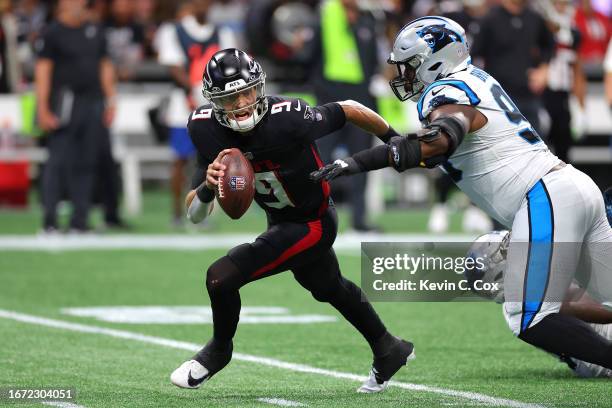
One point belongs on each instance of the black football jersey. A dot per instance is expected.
(282, 151)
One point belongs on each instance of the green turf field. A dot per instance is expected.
(156, 219)
(460, 347)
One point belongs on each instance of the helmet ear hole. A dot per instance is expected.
(435, 66)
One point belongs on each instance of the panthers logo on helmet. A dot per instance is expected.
(438, 36)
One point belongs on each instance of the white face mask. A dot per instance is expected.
(246, 124)
(228, 117)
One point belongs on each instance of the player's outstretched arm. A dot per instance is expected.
(428, 147)
(368, 120)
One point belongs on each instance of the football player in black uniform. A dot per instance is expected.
(277, 135)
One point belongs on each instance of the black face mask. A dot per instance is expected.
(406, 85)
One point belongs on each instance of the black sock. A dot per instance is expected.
(351, 302)
(223, 282)
(382, 346)
(568, 336)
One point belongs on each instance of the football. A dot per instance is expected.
(237, 187)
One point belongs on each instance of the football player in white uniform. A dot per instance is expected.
(492, 250)
(476, 133)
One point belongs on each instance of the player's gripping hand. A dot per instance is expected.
(215, 170)
(341, 167)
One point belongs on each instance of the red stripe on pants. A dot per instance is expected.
(315, 231)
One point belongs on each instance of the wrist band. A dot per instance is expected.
(205, 194)
(387, 136)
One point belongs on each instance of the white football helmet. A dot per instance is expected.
(492, 250)
(426, 50)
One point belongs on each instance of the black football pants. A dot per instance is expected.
(70, 169)
(306, 250)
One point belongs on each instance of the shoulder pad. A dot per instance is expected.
(445, 92)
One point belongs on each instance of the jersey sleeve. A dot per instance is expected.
(199, 173)
(309, 123)
(446, 92)
(45, 44)
(197, 128)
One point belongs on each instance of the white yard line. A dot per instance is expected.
(346, 241)
(281, 402)
(123, 334)
(62, 404)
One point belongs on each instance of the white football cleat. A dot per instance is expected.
(190, 374)
(399, 357)
(371, 385)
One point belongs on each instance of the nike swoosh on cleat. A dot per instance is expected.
(194, 382)
(434, 93)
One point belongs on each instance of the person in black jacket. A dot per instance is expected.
(516, 46)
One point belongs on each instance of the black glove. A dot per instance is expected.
(341, 167)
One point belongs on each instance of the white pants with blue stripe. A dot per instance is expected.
(559, 235)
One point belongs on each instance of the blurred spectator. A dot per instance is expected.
(596, 31)
(346, 61)
(474, 220)
(565, 77)
(283, 32)
(185, 47)
(10, 70)
(516, 46)
(32, 15)
(469, 17)
(76, 103)
(97, 10)
(125, 38)
(144, 14)
(608, 74)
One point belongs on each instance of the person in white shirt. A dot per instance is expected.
(186, 47)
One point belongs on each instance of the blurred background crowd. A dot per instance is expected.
(95, 95)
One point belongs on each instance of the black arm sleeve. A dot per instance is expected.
(401, 153)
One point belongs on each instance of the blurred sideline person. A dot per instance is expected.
(516, 46)
(125, 38)
(474, 220)
(596, 31)
(607, 66)
(473, 129)
(346, 59)
(10, 65)
(277, 135)
(75, 94)
(565, 78)
(185, 47)
(492, 248)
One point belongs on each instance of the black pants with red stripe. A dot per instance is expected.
(306, 250)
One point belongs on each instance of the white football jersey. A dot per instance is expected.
(498, 164)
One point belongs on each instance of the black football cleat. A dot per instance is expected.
(385, 366)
